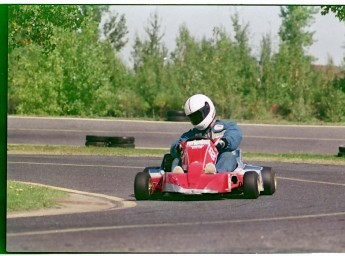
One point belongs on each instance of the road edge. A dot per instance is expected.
(77, 202)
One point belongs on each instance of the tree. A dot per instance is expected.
(82, 76)
(266, 69)
(34, 24)
(292, 65)
(338, 10)
(247, 69)
(295, 21)
(114, 26)
(187, 61)
(88, 86)
(224, 78)
(34, 81)
(152, 46)
(149, 59)
(115, 30)
(94, 11)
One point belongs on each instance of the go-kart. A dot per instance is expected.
(247, 180)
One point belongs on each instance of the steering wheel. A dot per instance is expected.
(198, 138)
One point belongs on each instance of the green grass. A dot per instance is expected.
(83, 150)
(248, 156)
(24, 197)
(295, 158)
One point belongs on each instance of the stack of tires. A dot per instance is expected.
(341, 150)
(106, 141)
(176, 116)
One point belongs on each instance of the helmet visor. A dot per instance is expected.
(198, 116)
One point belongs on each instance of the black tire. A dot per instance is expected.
(97, 143)
(176, 116)
(175, 113)
(177, 119)
(121, 140)
(342, 149)
(121, 145)
(251, 185)
(142, 186)
(93, 138)
(147, 169)
(269, 181)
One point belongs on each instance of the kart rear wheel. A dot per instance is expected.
(251, 185)
(142, 186)
(269, 181)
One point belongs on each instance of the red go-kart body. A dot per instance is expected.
(195, 155)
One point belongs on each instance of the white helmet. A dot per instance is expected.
(200, 110)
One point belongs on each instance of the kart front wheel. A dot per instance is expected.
(269, 181)
(142, 186)
(251, 185)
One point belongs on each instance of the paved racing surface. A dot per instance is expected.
(306, 214)
(257, 138)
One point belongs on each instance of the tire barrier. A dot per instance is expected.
(107, 141)
(341, 151)
(176, 116)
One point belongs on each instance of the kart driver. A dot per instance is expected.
(202, 114)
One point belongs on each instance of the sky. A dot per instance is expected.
(329, 34)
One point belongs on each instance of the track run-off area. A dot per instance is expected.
(306, 214)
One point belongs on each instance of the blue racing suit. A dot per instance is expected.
(227, 130)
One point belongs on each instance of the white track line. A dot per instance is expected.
(312, 181)
(92, 119)
(141, 167)
(182, 224)
(169, 133)
(163, 225)
(86, 131)
(79, 165)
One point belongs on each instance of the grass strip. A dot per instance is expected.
(296, 158)
(83, 150)
(24, 197)
(247, 156)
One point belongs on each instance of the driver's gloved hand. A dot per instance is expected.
(179, 148)
(223, 143)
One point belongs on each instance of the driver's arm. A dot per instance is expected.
(233, 135)
(174, 149)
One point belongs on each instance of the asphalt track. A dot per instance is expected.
(256, 137)
(306, 214)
